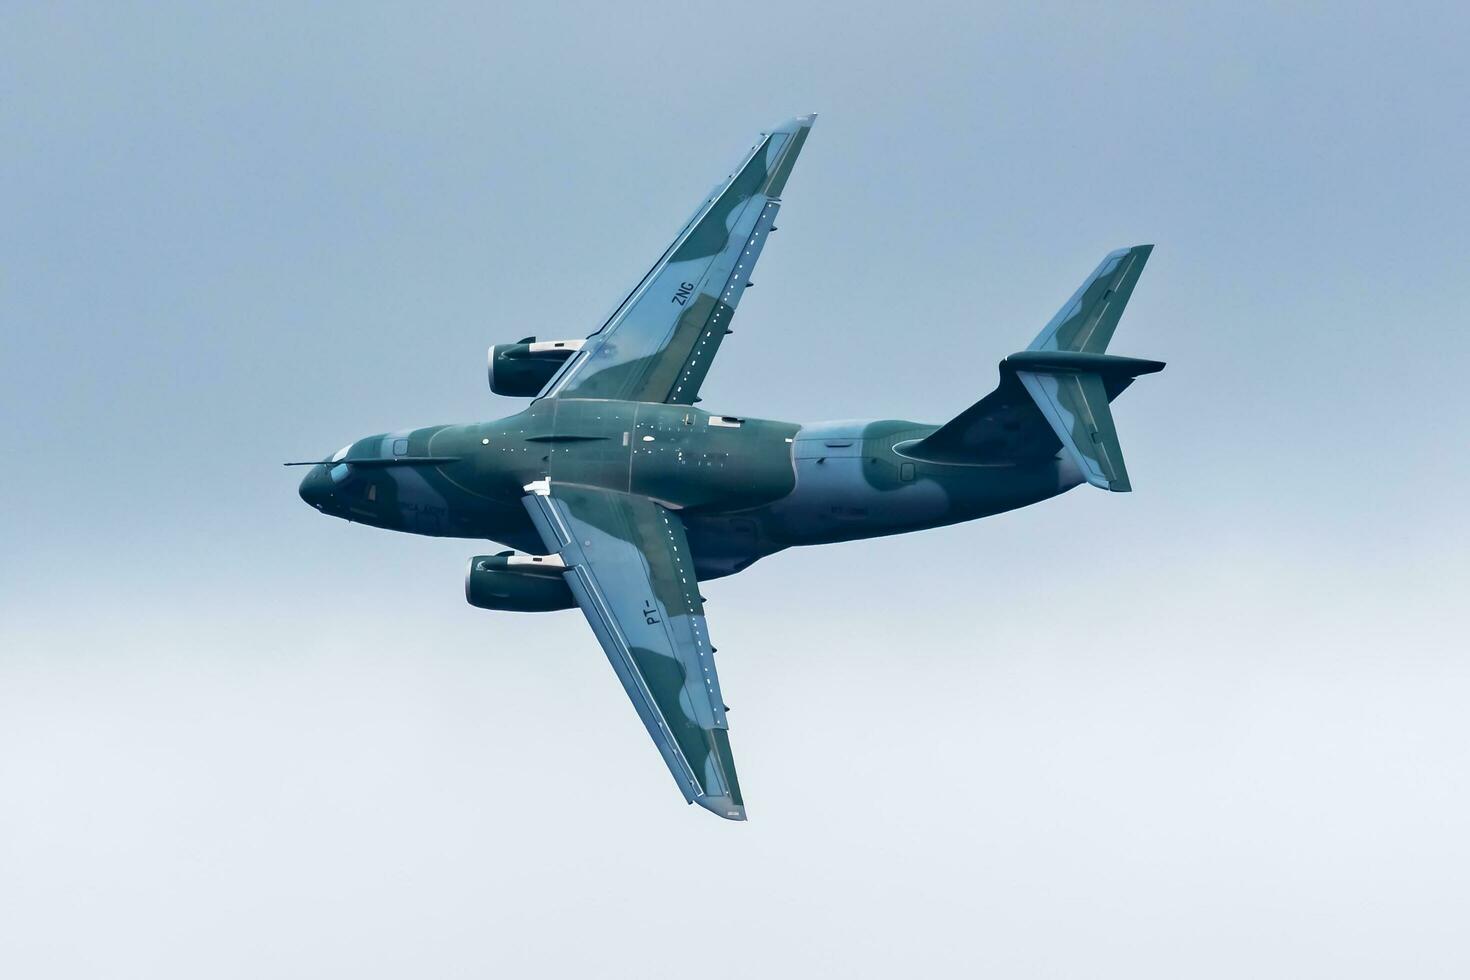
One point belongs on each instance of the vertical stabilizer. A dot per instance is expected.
(1067, 374)
(1055, 394)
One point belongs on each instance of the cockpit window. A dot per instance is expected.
(341, 453)
(339, 472)
(400, 446)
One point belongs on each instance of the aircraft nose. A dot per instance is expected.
(316, 487)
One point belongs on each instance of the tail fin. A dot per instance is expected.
(1069, 381)
(1070, 378)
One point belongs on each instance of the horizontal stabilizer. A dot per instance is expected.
(1086, 321)
(1076, 405)
(1110, 366)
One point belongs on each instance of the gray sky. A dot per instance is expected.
(1213, 728)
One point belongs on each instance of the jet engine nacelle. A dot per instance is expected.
(518, 583)
(522, 369)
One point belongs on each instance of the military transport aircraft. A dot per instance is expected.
(621, 497)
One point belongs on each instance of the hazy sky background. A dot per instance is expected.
(1214, 728)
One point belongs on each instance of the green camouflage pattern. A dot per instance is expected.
(620, 497)
(659, 343)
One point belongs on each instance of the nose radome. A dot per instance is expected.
(316, 486)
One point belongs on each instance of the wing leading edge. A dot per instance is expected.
(658, 344)
(630, 569)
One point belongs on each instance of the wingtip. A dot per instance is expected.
(796, 123)
(1118, 253)
(722, 806)
(1120, 485)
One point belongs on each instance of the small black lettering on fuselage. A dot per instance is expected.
(650, 613)
(682, 296)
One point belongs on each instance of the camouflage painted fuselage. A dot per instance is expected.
(622, 497)
(745, 488)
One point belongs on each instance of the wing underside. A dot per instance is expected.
(658, 344)
(630, 569)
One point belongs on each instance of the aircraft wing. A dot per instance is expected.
(629, 566)
(658, 344)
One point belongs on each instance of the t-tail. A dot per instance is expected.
(1063, 379)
